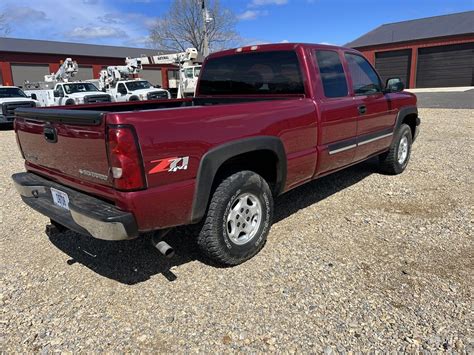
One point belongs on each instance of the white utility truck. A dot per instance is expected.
(189, 67)
(57, 89)
(11, 98)
(118, 81)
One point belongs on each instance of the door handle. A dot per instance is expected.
(362, 109)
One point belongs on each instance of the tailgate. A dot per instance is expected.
(70, 142)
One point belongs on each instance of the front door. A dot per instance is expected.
(376, 118)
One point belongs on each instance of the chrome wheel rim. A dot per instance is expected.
(403, 150)
(244, 218)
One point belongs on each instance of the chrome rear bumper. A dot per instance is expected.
(86, 214)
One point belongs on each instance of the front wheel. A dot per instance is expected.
(396, 159)
(238, 220)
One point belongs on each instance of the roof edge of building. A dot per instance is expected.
(397, 43)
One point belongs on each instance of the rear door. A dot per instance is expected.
(338, 114)
(375, 117)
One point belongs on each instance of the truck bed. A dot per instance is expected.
(152, 105)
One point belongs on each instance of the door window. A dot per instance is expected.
(121, 89)
(365, 80)
(332, 74)
(60, 90)
(189, 73)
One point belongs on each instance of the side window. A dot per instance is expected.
(59, 89)
(332, 74)
(365, 80)
(121, 88)
(189, 73)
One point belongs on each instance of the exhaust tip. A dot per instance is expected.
(165, 249)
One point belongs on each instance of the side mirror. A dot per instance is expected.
(56, 93)
(34, 97)
(394, 85)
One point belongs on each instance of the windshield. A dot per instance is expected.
(138, 85)
(11, 92)
(79, 87)
(275, 72)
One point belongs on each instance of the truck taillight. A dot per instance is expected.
(125, 159)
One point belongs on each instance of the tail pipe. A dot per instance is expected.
(163, 247)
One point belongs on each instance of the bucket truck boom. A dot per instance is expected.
(66, 71)
(189, 68)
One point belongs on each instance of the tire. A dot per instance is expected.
(133, 98)
(396, 159)
(69, 102)
(221, 239)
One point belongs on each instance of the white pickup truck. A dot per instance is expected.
(11, 98)
(68, 93)
(136, 90)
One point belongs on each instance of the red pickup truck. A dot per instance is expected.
(265, 119)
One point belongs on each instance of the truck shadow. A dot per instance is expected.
(135, 261)
(6, 127)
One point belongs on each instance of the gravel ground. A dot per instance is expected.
(356, 261)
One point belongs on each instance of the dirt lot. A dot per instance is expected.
(355, 261)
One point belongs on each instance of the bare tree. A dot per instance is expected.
(4, 26)
(183, 27)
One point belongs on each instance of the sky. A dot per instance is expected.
(127, 22)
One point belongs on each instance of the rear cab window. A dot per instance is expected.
(331, 71)
(254, 73)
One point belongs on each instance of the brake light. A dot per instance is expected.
(246, 49)
(125, 159)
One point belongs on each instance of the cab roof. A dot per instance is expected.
(276, 47)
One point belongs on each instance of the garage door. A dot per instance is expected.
(446, 66)
(28, 72)
(152, 75)
(394, 64)
(84, 73)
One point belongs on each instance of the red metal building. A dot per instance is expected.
(429, 52)
(23, 59)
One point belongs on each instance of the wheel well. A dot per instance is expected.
(262, 162)
(410, 120)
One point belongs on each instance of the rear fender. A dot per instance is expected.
(214, 158)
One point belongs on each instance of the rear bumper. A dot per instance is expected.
(86, 215)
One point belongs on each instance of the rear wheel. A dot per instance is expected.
(238, 220)
(396, 159)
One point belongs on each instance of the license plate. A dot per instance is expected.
(60, 198)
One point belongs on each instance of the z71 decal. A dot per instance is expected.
(170, 165)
